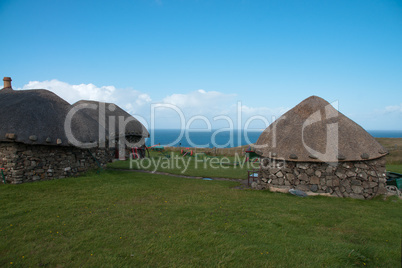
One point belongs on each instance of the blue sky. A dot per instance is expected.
(205, 56)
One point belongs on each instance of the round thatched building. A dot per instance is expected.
(124, 131)
(37, 117)
(313, 147)
(35, 141)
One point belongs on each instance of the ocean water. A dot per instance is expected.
(225, 139)
(385, 133)
(210, 139)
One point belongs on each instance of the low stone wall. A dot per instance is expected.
(27, 163)
(361, 179)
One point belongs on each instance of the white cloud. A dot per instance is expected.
(394, 108)
(198, 99)
(74, 93)
(129, 99)
(264, 111)
(133, 101)
(211, 104)
(201, 102)
(143, 99)
(177, 109)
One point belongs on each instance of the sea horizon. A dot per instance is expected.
(224, 138)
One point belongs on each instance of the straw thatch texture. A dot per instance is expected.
(38, 116)
(114, 112)
(313, 131)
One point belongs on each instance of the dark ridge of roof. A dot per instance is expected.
(314, 131)
(38, 116)
(133, 127)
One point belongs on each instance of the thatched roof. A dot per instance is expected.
(313, 131)
(38, 116)
(133, 126)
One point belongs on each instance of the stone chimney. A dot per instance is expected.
(7, 82)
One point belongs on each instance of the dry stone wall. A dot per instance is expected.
(27, 163)
(360, 179)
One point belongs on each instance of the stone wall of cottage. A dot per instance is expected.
(28, 163)
(360, 179)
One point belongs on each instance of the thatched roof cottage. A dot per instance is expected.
(34, 144)
(125, 131)
(313, 147)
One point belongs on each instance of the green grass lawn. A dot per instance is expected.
(201, 166)
(127, 219)
(395, 168)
